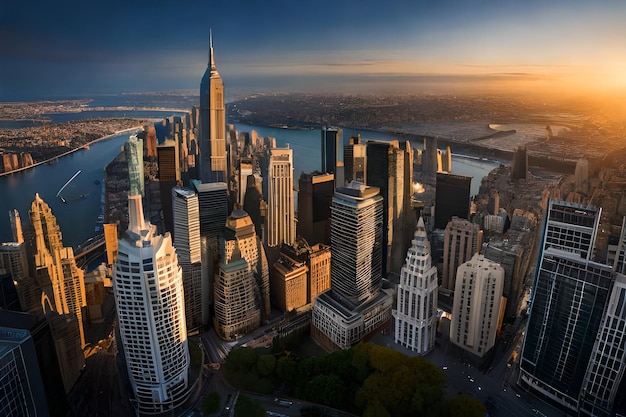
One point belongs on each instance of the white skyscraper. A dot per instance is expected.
(416, 313)
(148, 289)
(281, 224)
(188, 248)
(476, 308)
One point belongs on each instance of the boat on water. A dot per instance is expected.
(66, 184)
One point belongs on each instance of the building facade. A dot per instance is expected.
(149, 298)
(281, 221)
(416, 308)
(462, 240)
(568, 303)
(355, 307)
(476, 308)
(133, 149)
(314, 198)
(212, 137)
(188, 248)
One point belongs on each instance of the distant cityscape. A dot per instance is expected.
(210, 254)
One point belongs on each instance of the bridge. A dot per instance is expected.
(89, 246)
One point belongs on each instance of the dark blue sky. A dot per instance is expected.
(69, 48)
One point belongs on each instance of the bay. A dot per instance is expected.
(77, 217)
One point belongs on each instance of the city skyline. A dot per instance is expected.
(51, 51)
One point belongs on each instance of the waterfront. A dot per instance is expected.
(77, 217)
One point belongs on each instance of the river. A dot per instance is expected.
(78, 215)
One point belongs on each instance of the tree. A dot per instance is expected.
(266, 364)
(247, 407)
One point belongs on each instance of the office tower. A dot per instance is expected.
(332, 154)
(245, 170)
(22, 392)
(133, 149)
(39, 331)
(461, 241)
(513, 252)
(212, 137)
(355, 307)
(476, 308)
(429, 161)
(14, 264)
(56, 270)
(568, 303)
(416, 308)
(254, 204)
(581, 176)
(317, 260)
(242, 288)
(314, 198)
(169, 177)
(288, 283)
(149, 298)
(604, 379)
(452, 198)
(188, 249)
(213, 206)
(519, 170)
(619, 264)
(355, 160)
(16, 226)
(281, 222)
(386, 171)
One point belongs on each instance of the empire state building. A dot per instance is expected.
(212, 124)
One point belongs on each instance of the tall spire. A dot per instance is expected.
(211, 56)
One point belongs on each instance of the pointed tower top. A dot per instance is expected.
(211, 56)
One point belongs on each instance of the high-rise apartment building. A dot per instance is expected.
(242, 287)
(149, 298)
(281, 222)
(316, 258)
(133, 150)
(212, 138)
(188, 248)
(569, 302)
(355, 306)
(416, 308)
(56, 269)
(476, 308)
(462, 240)
(314, 199)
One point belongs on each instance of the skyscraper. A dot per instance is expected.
(476, 308)
(169, 177)
(568, 303)
(461, 241)
(56, 270)
(355, 160)
(332, 154)
(314, 197)
(188, 249)
(281, 222)
(149, 298)
(212, 138)
(355, 306)
(242, 288)
(133, 149)
(452, 198)
(416, 311)
(387, 171)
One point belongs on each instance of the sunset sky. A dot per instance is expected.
(51, 49)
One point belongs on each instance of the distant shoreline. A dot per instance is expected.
(54, 158)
